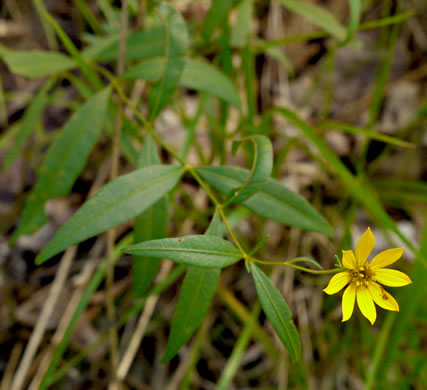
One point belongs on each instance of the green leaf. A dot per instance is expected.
(196, 294)
(162, 91)
(139, 45)
(117, 202)
(216, 16)
(355, 15)
(318, 16)
(65, 160)
(216, 227)
(278, 54)
(4, 51)
(274, 201)
(37, 63)
(198, 250)
(28, 124)
(177, 42)
(277, 312)
(150, 70)
(197, 75)
(151, 224)
(205, 77)
(260, 172)
(240, 33)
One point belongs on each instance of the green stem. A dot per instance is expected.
(288, 264)
(147, 124)
(218, 205)
(236, 241)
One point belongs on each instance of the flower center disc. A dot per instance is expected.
(362, 275)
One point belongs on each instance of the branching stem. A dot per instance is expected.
(220, 207)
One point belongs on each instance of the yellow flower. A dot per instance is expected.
(362, 277)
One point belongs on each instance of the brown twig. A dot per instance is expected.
(138, 334)
(40, 328)
(83, 279)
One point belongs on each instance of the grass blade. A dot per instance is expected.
(318, 16)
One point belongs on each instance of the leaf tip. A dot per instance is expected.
(39, 259)
(13, 239)
(166, 357)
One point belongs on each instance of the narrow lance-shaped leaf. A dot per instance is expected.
(317, 16)
(65, 160)
(140, 45)
(260, 172)
(216, 16)
(198, 250)
(150, 70)
(197, 292)
(119, 201)
(151, 224)
(205, 77)
(176, 46)
(274, 201)
(216, 227)
(197, 74)
(28, 123)
(277, 312)
(242, 29)
(355, 15)
(37, 63)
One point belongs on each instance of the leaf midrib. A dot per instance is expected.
(199, 251)
(128, 196)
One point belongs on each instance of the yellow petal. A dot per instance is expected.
(366, 304)
(382, 298)
(348, 302)
(365, 246)
(348, 259)
(392, 277)
(338, 282)
(386, 258)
